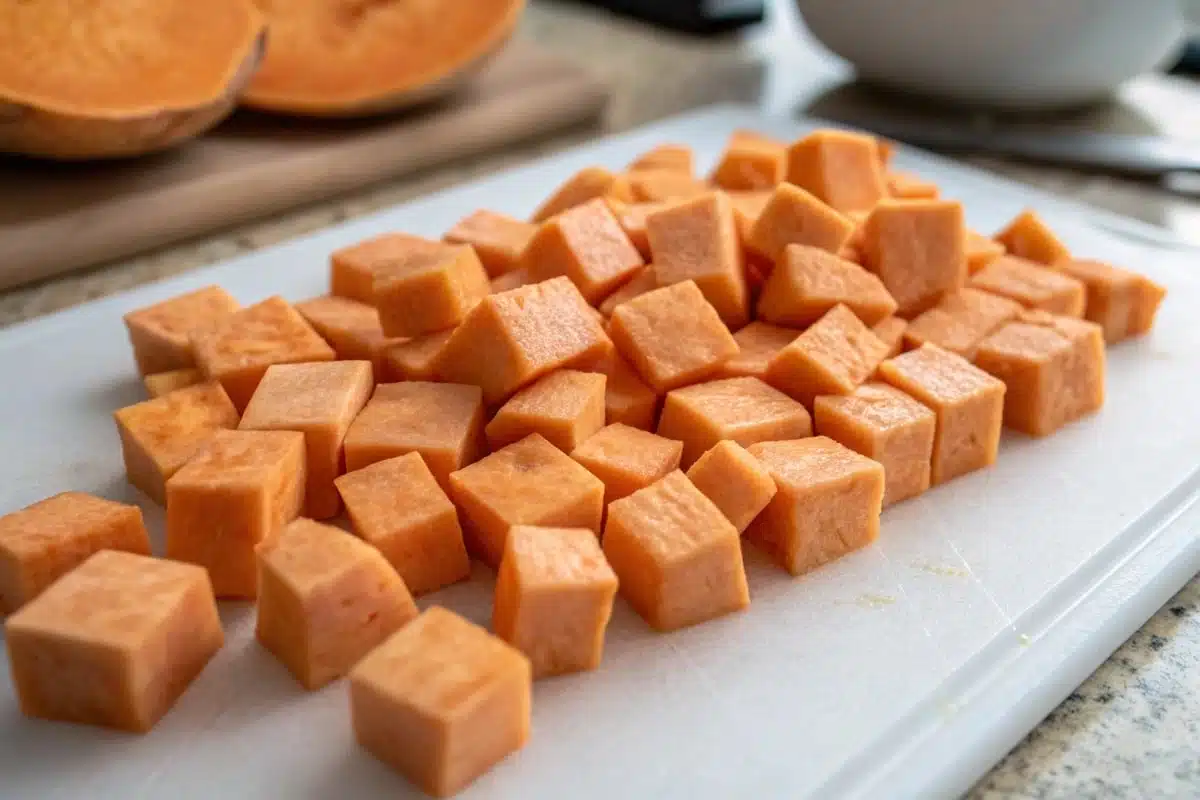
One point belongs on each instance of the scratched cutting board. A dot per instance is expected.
(59, 217)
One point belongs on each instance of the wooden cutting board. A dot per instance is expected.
(59, 217)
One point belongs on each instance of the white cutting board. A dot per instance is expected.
(904, 670)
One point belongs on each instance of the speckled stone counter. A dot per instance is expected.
(1131, 730)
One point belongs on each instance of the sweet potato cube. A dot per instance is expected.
(968, 402)
(441, 421)
(325, 600)
(1029, 237)
(734, 480)
(587, 245)
(961, 320)
(1122, 303)
(672, 336)
(981, 251)
(413, 359)
(565, 407)
(160, 383)
(430, 293)
(697, 240)
(834, 356)
(398, 507)
(627, 459)
(115, 642)
(886, 425)
(158, 436)
(353, 269)
(745, 410)
(906, 186)
(585, 185)
(750, 164)
(511, 339)
(658, 185)
(319, 400)
(530, 482)
(793, 216)
(626, 398)
(351, 328)
(642, 281)
(239, 490)
(510, 280)
(44, 541)
(554, 597)
(758, 343)
(1053, 372)
(808, 281)
(1032, 286)
(238, 349)
(827, 504)
(679, 561)
(441, 701)
(890, 331)
(498, 239)
(918, 249)
(632, 219)
(161, 333)
(839, 168)
(676, 157)
(747, 206)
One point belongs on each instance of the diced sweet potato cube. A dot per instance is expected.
(325, 600)
(511, 339)
(981, 251)
(585, 185)
(161, 333)
(353, 269)
(679, 561)
(838, 167)
(498, 239)
(1032, 286)
(44, 541)
(658, 185)
(158, 436)
(238, 349)
(1053, 371)
(626, 398)
(319, 400)
(734, 480)
(793, 216)
(430, 293)
(890, 331)
(759, 342)
(115, 642)
(907, 186)
(808, 281)
(239, 490)
(672, 336)
(587, 245)
(676, 157)
(918, 249)
(961, 320)
(749, 164)
(697, 240)
(885, 150)
(565, 407)
(627, 459)
(833, 356)
(642, 281)
(351, 328)
(530, 482)
(968, 402)
(510, 280)
(554, 597)
(441, 701)
(884, 424)
(1148, 298)
(745, 410)
(1029, 237)
(1122, 303)
(827, 504)
(413, 359)
(160, 383)
(632, 219)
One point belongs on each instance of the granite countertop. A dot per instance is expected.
(1131, 730)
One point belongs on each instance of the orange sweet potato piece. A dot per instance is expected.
(413, 359)
(838, 167)
(981, 251)
(907, 186)
(430, 293)
(498, 239)
(650, 186)
(585, 185)
(834, 356)
(890, 331)
(758, 343)
(627, 399)
(1032, 286)
(961, 321)
(351, 328)
(627, 459)
(793, 216)
(632, 219)
(677, 157)
(587, 245)
(1123, 303)
(642, 281)
(161, 333)
(353, 269)
(1029, 237)
(918, 249)
(809, 281)
(734, 480)
(565, 407)
(750, 163)
(160, 383)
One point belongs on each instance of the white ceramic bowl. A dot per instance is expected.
(1014, 54)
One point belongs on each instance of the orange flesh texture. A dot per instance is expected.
(565, 407)
(1032, 286)
(353, 269)
(886, 425)
(319, 400)
(530, 482)
(328, 57)
(498, 239)
(413, 359)
(441, 421)
(827, 504)
(961, 320)
(430, 293)
(44, 541)
(642, 281)
(238, 491)
(161, 333)
(554, 597)
(793, 216)
(734, 480)
(651, 186)
(968, 402)
(834, 356)
(78, 59)
(327, 599)
(750, 164)
(350, 327)
(758, 343)
(747, 206)
(918, 249)
(626, 398)
(1123, 303)
(890, 331)
(441, 701)
(907, 186)
(161, 383)
(115, 642)
(632, 219)
(159, 436)
(587, 184)
(809, 281)
(672, 336)
(676, 157)
(510, 280)
(1029, 237)
(841, 169)
(697, 240)
(745, 410)
(981, 251)
(626, 459)
(587, 245)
